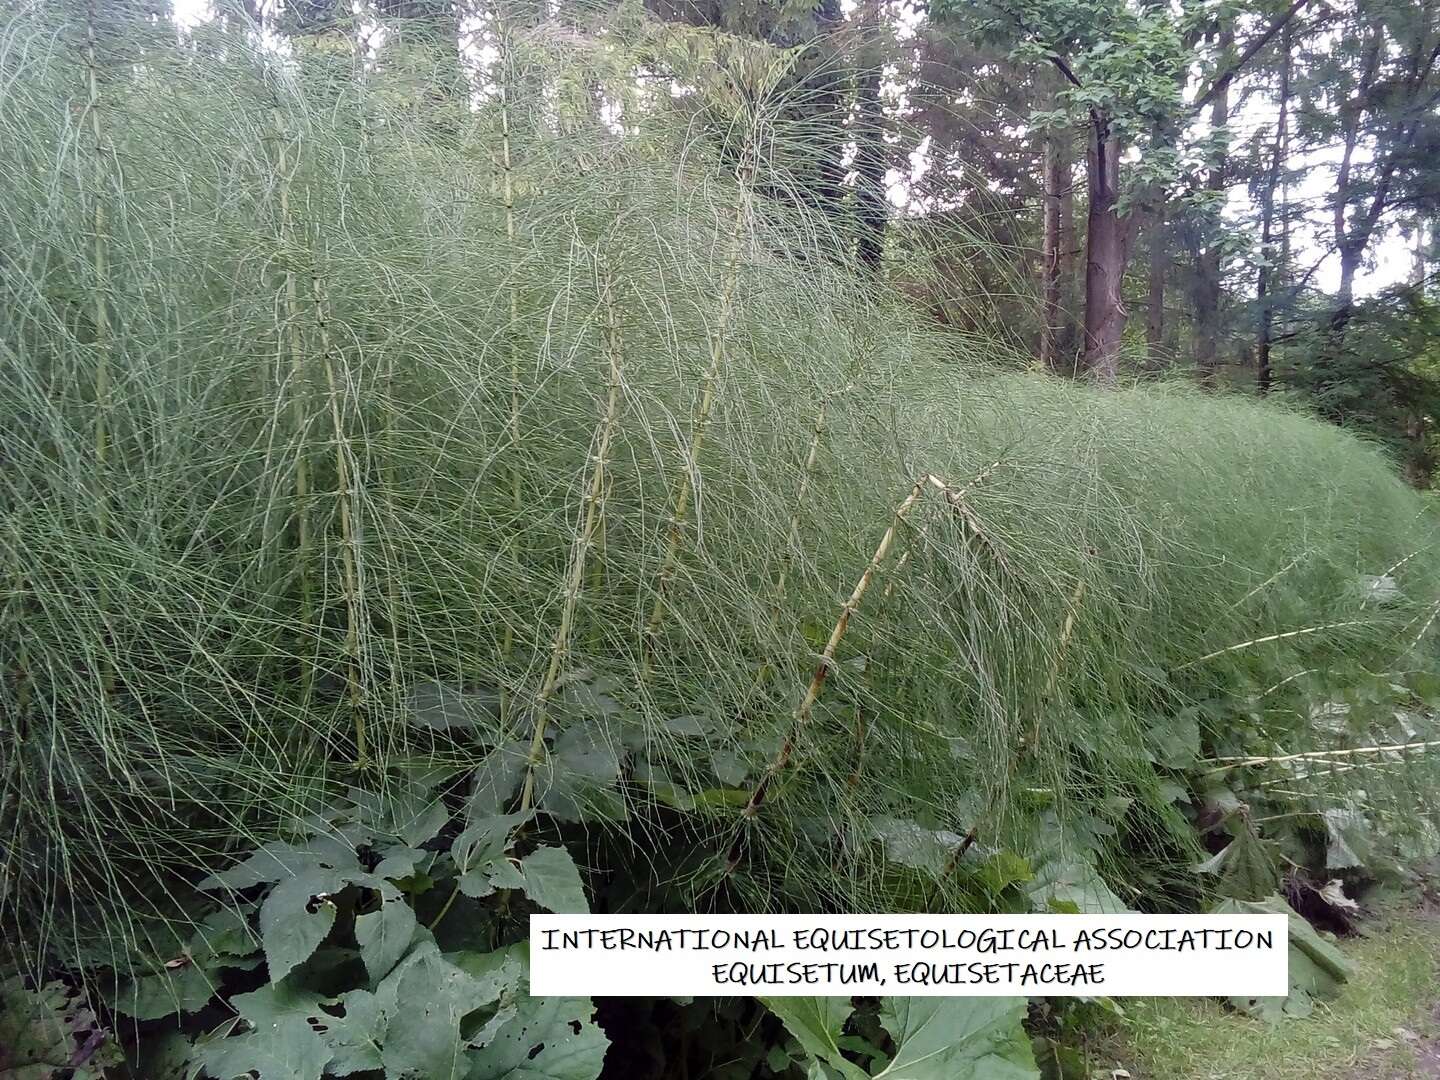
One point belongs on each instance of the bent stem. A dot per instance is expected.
(822, 670)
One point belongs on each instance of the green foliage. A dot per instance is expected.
(353, 981)
(1385, 380)
(1317, 968)
(294, 469)
(51, 1032)
(929, 1038)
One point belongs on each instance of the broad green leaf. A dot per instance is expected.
(1072, 886)
(296, 917)
(1317, 968)
(911, 844)
(1245, 867)
(479, 854)
(281, 1044)
(1003, 869)
(816, 1023)
(1175, 741)
(275, 1004)
(442, 707)
(166, 992)
(588, 751)
(425, 998)
(497, 973)
(354, 1037)
(384, 935)
(547, 1039)
(415, 823)
(552, 881)
(496, 778)
(276, 861)
(225, 932)
(1349, 843)
(399, 861)
(730, 768)
(285, 1051)
(957, 1039)
(410, 813)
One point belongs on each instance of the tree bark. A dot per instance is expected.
(870, 166)
(1106, 254)
(1351, 236)
(1270, 271)
(1069, 258)
(1155, 289)
(1207, 283)
(1051, 253)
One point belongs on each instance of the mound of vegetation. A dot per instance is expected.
(423, 509)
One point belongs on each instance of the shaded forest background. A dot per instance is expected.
(1242, 192)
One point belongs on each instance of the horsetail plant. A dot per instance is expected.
(232, 633)
(292, 347)
(591, 515)
(101, 309)
(345, 495)
(719, 341)
(822, 669)
(507, 194)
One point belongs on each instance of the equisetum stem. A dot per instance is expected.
(684, 488)
(101, 317)
(822, 670)
(1052, 679)
(1066, 632)
(590, 520)
(292, 343)
(1388, 748)
(793, 537)
(1273, 637)
(507, 192)
(389, 478)
(349, 547)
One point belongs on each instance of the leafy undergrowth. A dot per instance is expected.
(1385, 1027)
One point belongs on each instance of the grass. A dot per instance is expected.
(1371, 1031)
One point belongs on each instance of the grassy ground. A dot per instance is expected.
(1385, 1027)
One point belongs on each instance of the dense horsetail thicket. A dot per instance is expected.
(534, 446)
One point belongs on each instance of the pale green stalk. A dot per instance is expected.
(591, 516)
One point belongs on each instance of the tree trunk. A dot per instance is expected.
(1345, 295)
(1269, 269)
(1155, 290)
(1069, 256)
(1051, 255)
(870, 163)
(1207, 284)
(1106, 253)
